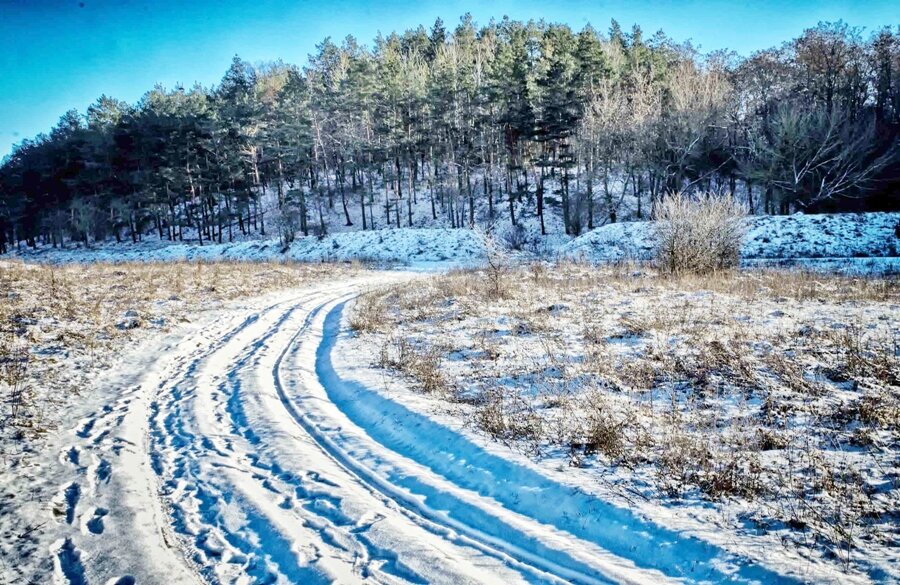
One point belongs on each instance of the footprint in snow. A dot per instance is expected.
(67, 563)
(101, 437)
(367, 520)
(86, 427)
(94, 523)
(64, 503)
(72, 455)
(102, 471)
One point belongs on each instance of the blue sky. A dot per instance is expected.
(60, 54)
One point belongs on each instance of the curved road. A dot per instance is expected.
(235, 452)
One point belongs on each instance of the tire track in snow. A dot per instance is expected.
(434, 520)
(227, 497)
(177, 454)
(93, 496)
(493, 510)
(265, 466)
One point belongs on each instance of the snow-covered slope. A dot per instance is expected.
(843, 235)
(633, 240)
(845, 242)
(407, 246)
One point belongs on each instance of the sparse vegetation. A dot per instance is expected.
(52, 316)
(777, 390)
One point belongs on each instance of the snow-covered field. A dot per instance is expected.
(69, 336)
(409, 246)
(757, 413)
(234, 449)
(184, 422)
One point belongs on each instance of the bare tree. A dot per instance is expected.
(811, 155)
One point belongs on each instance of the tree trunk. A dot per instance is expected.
(590, 188)
(567, 219)
(342, 177)
(540, 202)
(411, 197)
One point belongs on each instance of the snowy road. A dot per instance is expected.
(235, 452)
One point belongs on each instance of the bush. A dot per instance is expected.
(14, 361)
(515, 237)
(369, 314)
(496, 269)
(698, 236)
(506, 415)
(423, 364)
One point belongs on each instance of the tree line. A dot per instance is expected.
(502, 121)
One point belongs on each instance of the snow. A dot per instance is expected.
(615, 242)
(860, 243)
(853, 242)
(500, 496)
(406, 245)
(183, 464)
(256, 442)
(481, 345)
(238, 448)
(844, 235)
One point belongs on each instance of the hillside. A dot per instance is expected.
(835, 242)
(846, 241)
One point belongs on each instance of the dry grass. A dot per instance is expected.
(369, 316)
(50, 315)
(780, 389)
(421, 362)
(507, 417)
(796, 285)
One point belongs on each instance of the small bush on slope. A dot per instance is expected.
(698, 235)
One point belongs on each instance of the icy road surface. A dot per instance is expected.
(233, 451)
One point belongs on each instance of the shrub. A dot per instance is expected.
(515, 237)
(604, 432)
(496, 269)
(698, 236)
(369, 314)
(507, 416)
(421, 363)
(14, 389)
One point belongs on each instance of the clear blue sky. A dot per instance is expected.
(62, 54)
